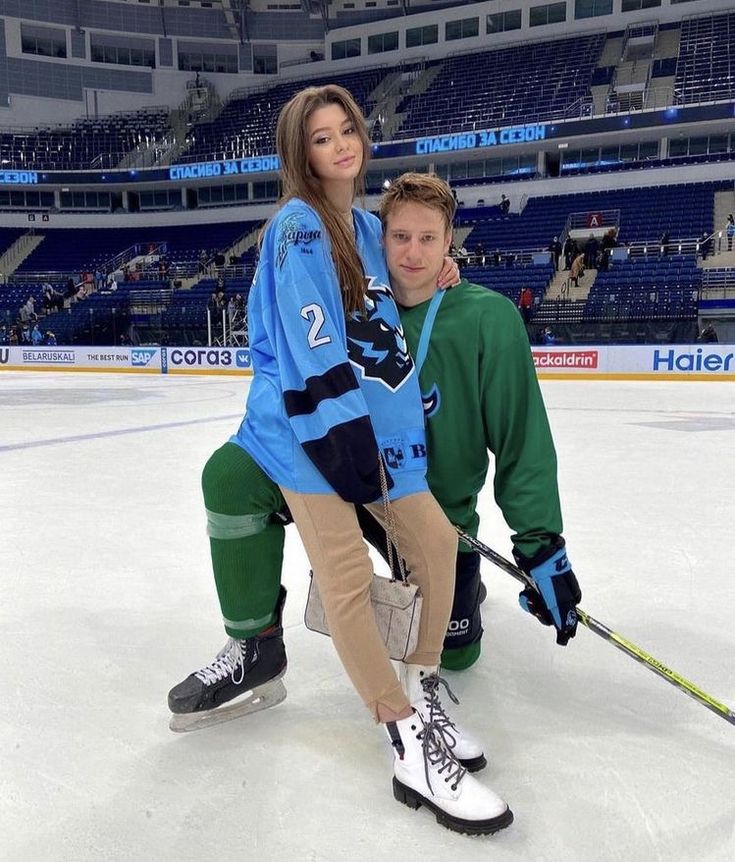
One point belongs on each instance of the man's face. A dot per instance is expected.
(416, 240)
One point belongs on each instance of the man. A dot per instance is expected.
(525, 304)
(555, 249)
(480, 393)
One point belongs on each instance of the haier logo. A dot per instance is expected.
(242, 358)
(675, 360)
(141, 356)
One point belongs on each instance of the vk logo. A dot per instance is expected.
(242, 358)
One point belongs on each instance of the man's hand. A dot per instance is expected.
(556, 593)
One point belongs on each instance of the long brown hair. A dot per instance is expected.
(299, 181)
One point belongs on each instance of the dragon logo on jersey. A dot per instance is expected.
(374, 345)
(292, 232)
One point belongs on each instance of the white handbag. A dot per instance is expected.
(396, 602)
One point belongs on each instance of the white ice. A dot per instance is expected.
(107, 600)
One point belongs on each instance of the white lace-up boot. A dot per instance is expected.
(421, 684)
(426, 773)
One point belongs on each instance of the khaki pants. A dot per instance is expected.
(339, 558)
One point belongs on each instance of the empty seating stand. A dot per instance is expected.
(100, 143)
(246, 126)
(705, 69)
(477, 91)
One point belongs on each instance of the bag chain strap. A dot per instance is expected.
(390, 525)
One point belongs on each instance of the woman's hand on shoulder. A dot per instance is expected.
(449, 276)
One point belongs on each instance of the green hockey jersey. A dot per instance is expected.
(481, 394)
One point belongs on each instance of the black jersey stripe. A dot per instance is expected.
(333, 383)
(347, 457)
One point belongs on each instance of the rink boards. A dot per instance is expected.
(613, 362)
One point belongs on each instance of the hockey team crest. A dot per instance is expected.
(377, 347)
(431, 401)
(292, 232)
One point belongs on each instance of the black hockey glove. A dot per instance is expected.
(557, 592)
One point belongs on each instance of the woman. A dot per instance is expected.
(335, 391)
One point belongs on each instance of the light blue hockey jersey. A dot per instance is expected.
(327, 391)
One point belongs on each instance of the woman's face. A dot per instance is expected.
(335, 148)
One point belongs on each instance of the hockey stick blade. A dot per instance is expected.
(624, 645)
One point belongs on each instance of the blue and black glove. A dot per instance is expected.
(557, 592)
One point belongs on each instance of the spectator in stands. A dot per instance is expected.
(213, 304)
(27, 313)
(4, 335)
(509, 259)
(202, 261)
(555, 249)
(233, 306)
(708, 335)
(36, 336)
(664, 243)
(50, 339)
(704, 243)
(13, 336)
(497, 257)
(547, 336)
(70, 288)
(463, 257)
(610, 239)
(590, 252)
(730, 231)
(504, 205)
(568, 251)
(99, 279)
(52, 298)
(479, 254)
(576, 271)
(525, 304)
(81, 293)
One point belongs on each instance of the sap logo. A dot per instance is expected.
(141, 356)
(242, 358)
(201, 356)
(4, 355)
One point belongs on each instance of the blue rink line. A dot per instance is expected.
(78, 438)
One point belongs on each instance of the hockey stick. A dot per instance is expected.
(635, 652)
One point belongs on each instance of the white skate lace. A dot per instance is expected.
(228, 661)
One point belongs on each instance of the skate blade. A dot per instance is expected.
(263, 697)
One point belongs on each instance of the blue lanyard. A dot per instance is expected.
(425, 336)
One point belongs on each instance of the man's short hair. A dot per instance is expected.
(425, 189)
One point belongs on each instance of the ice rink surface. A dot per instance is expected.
(107, 600)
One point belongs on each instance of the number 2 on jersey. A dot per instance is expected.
(314, 314)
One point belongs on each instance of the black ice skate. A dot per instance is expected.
(244, 677)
